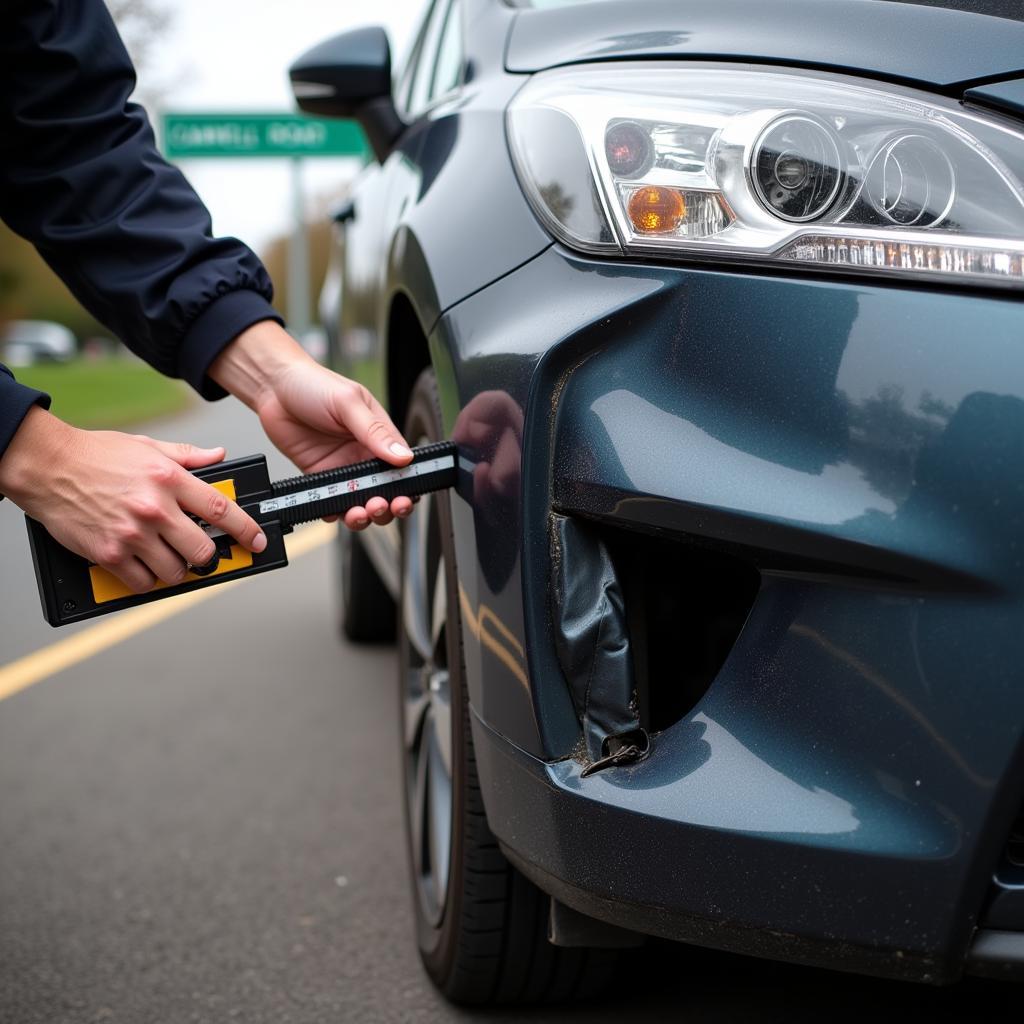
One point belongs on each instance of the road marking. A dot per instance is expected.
(39, 665)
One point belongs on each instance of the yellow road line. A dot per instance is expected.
(23, 673)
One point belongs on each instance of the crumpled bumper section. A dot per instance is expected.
(592, 639)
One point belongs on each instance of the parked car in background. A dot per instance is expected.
(26, 342)
(720, 636)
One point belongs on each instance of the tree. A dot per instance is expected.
(275, 258)
(141, 23)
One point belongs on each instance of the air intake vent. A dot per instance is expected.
(685, 607)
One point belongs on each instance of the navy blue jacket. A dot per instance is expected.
(81, 178)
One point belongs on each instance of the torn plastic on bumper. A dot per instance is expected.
(592, 643)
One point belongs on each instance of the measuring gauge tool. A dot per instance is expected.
(72, 589)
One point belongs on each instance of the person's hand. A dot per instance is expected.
(118, 499)
(317, 418)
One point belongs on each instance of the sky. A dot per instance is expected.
(227, 55)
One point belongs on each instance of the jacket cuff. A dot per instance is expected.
(15, 402)
(220, 323)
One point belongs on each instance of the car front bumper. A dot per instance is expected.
(842, 791)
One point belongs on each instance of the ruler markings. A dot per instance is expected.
(356, 484)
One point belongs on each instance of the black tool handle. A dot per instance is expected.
(301, 499)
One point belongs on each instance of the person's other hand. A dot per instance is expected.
(120, 499)
(316, 417)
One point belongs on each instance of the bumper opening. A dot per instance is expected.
(685, 607)
(643, 624)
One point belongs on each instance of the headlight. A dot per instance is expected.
(771, 166)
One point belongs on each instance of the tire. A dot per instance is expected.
(366, 611)
(481, 926)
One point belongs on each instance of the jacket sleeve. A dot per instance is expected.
(81, 178)
(15, 401)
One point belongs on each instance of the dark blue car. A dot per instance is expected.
(721, 636)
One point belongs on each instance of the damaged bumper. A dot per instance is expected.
(788, 535)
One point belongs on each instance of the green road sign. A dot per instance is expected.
(234, 135)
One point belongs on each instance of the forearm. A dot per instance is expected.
(16, 403)
(41, 440)
(254, 361)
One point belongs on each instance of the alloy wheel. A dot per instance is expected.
(426, 706)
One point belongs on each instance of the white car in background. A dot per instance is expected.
(26, 342)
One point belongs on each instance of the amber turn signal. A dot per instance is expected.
(654, 210)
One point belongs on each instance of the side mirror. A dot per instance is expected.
(350, 76)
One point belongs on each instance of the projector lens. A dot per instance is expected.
(797, 168)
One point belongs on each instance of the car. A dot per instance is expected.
(720, 635)
(26, 342)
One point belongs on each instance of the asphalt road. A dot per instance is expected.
(201, 824)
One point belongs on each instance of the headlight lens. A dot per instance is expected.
(763, 165)
(797, 167)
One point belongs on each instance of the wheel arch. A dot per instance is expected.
(407, 353)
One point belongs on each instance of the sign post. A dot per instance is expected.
(259, 135)
(298, 256)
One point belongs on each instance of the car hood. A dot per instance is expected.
(926, 45)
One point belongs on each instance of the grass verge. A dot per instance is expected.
(106, 394)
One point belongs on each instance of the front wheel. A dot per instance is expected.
(481, 926)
